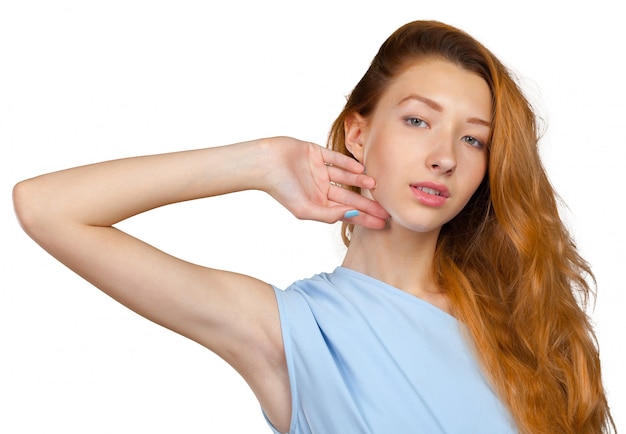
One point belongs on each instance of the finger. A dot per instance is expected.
(328, 213)
(338, 159)
(355, 201)
(337, 212)
(366, 220)
(340, 176)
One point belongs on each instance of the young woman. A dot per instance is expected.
(455, 309)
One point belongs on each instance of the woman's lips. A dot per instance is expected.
(430, 193)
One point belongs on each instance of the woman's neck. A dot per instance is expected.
(398, 257)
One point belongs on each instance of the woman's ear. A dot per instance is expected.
(354, 127)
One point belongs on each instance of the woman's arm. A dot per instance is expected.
(71, 214)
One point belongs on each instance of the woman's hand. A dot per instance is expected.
(310, 182)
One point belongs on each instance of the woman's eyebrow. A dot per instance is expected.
(479, 121)
(437, 107)
(429, 102)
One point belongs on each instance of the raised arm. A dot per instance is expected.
(71, 214)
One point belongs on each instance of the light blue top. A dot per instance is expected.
(365, 357)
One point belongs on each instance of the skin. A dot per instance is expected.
(72, 214)
(431, 125)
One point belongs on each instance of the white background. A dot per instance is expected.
(83, 81)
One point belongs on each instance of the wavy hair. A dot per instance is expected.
(507, 263)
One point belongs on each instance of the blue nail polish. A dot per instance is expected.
(351, 214)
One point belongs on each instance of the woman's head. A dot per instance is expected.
(420, 40)
(425, 143)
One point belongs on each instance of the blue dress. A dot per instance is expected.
(365, 357)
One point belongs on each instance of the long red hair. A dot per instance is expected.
(507, 263)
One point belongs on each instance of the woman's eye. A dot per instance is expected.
(416, 122)
(472, 141)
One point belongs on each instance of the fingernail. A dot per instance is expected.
(350, 214)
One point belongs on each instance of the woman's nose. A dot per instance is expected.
(441, 157)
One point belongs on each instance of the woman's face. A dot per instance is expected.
(425, 143)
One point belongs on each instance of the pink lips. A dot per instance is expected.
(430, 193)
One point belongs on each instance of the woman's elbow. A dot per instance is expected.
(29, 210)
